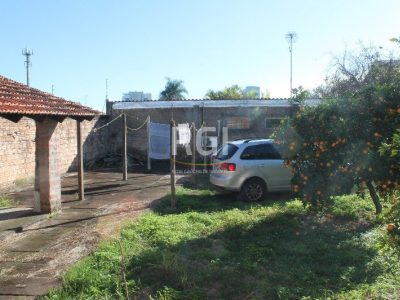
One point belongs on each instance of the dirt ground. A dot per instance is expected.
(36, 249)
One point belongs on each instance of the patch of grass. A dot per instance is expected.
(21, 182)
(6, 201)
(353, 207)
(212, 247)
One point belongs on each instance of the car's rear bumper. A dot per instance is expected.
(225, 181)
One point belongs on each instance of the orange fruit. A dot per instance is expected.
(391, 227)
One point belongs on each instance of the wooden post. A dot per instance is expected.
(219, 133)
(193, 177)
(81, 188)
(124, 148)
(148, 145)
(172, 162)
(205, 148)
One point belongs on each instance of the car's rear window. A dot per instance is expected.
(262, 151)
(226, 152)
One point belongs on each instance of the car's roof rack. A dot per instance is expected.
(252, 139)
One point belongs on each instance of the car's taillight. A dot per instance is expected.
(228, 167)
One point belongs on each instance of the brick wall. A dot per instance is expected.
(17, 147)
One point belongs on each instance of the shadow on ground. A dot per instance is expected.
(210, 199)
(289, 254)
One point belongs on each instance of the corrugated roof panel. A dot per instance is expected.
(208, 103)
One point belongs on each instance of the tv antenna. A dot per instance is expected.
(291, 37)
(28, 63)
(107, 89)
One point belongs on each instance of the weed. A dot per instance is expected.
(6, 201)
(21, 182)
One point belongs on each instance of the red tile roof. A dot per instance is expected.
(19, 99)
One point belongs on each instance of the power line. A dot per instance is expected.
(291, 37)
(28, 63)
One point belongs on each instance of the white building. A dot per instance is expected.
(253, 90)
(136, 96)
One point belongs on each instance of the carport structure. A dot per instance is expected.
(18, 100)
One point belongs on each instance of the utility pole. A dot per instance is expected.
(291, 37)
(28, 63)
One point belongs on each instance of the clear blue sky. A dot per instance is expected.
(207, 43)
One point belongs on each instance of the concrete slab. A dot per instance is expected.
(77, 214)
(37, 249)
(18, 268)
(12, 225)
(34, 243)
(17, 297)
(27, 286)
(23, 257)
(54, 223)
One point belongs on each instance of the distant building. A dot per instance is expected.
(136, 96)
(253, 91)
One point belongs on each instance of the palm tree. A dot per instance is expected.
(174, 90)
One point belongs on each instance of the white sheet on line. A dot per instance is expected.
(184, 134)
(160, 143)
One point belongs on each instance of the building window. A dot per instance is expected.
(273, 122)
(238, 123)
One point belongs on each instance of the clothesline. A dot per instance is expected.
(105, 125)
(141, 126)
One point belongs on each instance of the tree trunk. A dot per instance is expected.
(375, 198)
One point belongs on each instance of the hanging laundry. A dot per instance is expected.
(184, 134)
(159, 141)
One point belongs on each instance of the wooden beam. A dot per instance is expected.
(12, 117)
(124, 148)
(41, 117)
(59, 118)
(37, 118)
(148, 145)
(205, 148)
(81, 188)
(82, 118)
(193, 177)
(172, 162)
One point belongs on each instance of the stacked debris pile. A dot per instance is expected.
(112, 160)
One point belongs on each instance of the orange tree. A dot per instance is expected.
(334, 146)
(391, 149)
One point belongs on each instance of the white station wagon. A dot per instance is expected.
(251, 167)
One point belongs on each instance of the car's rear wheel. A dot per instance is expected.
(253, 190)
